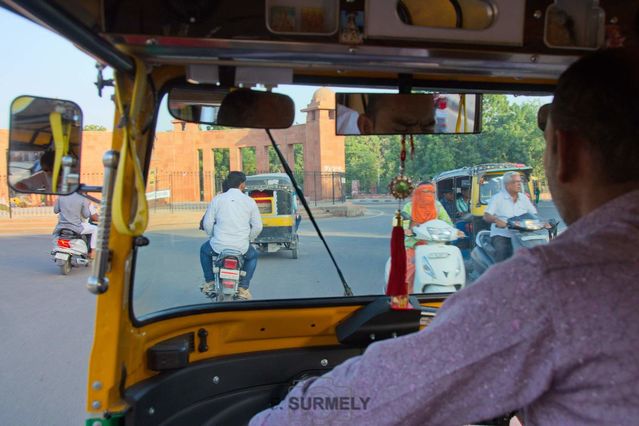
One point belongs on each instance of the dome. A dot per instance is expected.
(324, 98)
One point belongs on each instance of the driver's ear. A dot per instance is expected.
(365, 124)
(568, 150)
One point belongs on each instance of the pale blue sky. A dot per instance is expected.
(41, 63)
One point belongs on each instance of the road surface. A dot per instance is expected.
(46, 320)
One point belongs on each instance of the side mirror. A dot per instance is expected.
(44, 145)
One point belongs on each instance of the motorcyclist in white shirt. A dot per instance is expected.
(507, 203)
(232, 220)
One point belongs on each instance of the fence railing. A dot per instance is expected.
(174, 190)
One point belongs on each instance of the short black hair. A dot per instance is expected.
(235, 179)
(596, 98)
(47, 159)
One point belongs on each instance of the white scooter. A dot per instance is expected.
(69, 249)
(439, 266)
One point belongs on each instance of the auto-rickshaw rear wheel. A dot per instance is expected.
(294, 245)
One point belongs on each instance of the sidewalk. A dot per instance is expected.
(160, 219)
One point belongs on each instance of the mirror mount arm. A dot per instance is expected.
(98, 283)
(405, 83)
(101, 82)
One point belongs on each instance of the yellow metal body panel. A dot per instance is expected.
(268, 221)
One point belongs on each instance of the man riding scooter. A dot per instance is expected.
(232, 220)
(75, 213)
(507, 203)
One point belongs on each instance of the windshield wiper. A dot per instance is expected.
(300, 195)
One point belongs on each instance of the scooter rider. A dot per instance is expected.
(507, 203)
(422, 208)
(232, 220)
(73, 209)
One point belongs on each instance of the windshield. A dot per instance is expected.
(345, 181)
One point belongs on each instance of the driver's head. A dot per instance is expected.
(46, 161)
(398, 114)
(592, 131)
(236, 180)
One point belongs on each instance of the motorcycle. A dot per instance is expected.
(439, 265)
(70, 249)
(527, 231)
(228, 270)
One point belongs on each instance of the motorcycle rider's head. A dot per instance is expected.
(236, 180)
(423, 203)
(512, 182)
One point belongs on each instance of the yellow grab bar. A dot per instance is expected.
(130, 135)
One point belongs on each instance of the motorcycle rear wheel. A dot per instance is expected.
(65, 268)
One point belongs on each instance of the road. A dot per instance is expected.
(46, 320)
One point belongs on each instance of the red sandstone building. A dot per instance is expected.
(183, 165)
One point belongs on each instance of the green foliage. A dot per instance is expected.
(95, 127)
(222, 162)
(509, 134)
(249, 161)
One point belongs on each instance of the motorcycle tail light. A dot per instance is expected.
(64, 243)
(228, 284)
(230, 263)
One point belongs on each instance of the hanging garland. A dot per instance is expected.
(401, 186)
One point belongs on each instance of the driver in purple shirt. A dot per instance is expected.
(550, 333)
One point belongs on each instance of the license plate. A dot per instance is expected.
(62, 256)
(229, 274)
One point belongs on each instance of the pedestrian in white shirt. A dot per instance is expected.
(507, 203)
(232, 220)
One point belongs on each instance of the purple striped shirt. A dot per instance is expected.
(553, 332)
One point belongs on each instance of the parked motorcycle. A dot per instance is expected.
(528, 231)
(228, 270)
(69, 249)
(439, 265)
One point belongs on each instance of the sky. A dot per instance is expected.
(39, 62)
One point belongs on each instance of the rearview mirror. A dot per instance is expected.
(196, 103)
(407, 113)
(44, 145)
(239, 108)
(256, 110)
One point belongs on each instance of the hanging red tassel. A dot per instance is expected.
(396, 288)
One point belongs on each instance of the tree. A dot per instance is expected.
(249, 161)
(94, 127)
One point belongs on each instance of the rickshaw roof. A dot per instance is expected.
(481, 169)
(269, 180)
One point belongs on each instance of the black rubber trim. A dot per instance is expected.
(73, 30)
(245, 385)
(461, 86)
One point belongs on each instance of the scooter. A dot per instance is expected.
(228, 270)
(439, 265)
(69, 249)
(527, 231)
